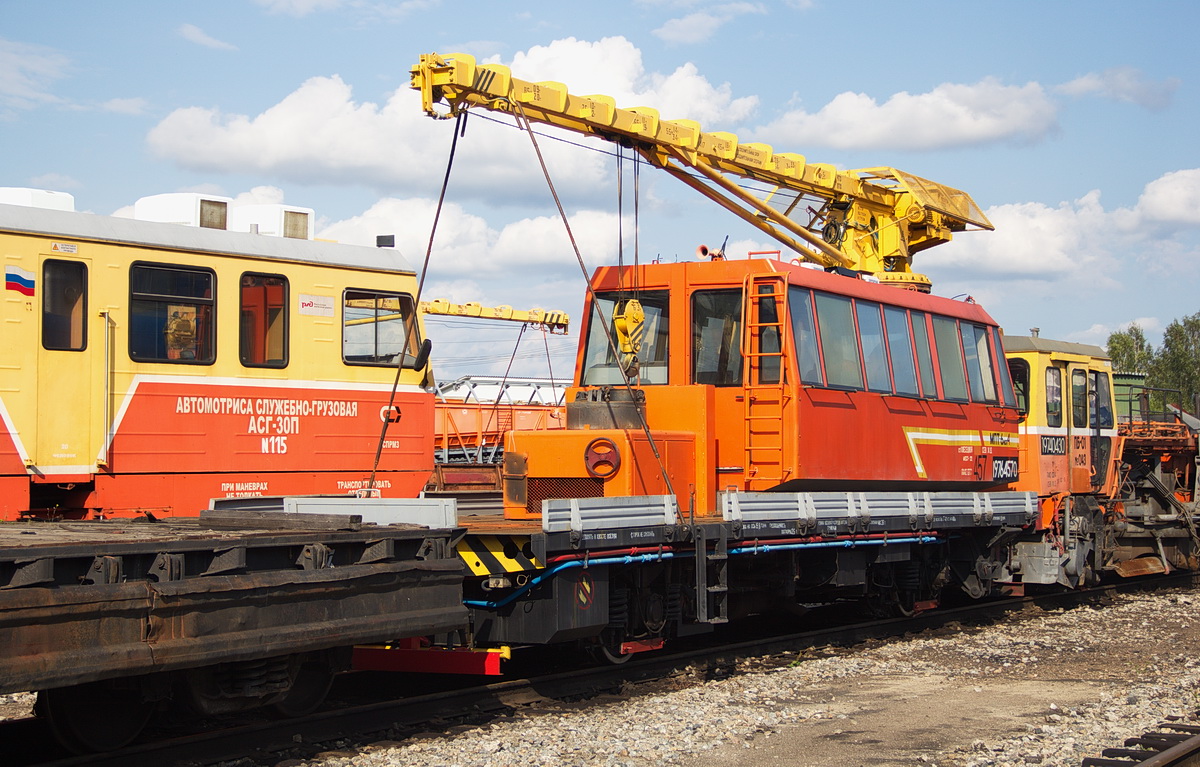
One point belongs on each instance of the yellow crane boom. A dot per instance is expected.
(870, 219)
(553, 320)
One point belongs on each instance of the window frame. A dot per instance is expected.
(209, 334)
(76, 317)
(286, 319)
(408, 353)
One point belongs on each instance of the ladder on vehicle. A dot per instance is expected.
(712, 575)
(765, 347)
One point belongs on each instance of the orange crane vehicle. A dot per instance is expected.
(745, 435)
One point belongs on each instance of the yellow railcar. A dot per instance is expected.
(1068, 426)
(146, 367)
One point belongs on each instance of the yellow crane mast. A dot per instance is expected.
(870, 219)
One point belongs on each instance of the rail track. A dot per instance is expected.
(1170, 745)
(271, 740)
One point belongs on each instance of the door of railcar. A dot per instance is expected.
(66, 441)
(1091, 427)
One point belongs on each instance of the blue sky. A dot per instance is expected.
(1072, 124)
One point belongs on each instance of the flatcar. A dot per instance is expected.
(149, 366)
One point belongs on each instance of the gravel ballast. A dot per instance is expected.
(1044, 688)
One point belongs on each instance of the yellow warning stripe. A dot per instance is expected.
(494, 555)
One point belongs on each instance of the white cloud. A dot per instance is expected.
(320, 134)
(1123, 84)
(700, 26)
(195, 34)
(951, 115)
(26, 73)
(1173, 198)
(613, 66)
(130, 106)
(299, 7)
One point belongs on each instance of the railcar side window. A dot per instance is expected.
(1019, 373)
(1006, 382)
(1102, 409)
(924, 356)
(839, 341)
(768, 337)
(870, 332)
(171, 314)
(716, 337)
(1079, 399)
(979, 362)
(804, 333)
(378, 328)
(900, 350)
(600, 366)
(1053, 397)
(950, 358)
(263, 323)
(64, 305)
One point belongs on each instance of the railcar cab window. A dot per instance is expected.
(600, 367)
(904, 371)
(924, 355)
(1019, 372)
(804, 334)
(1053, 397)
(64, 305)
(870, 333)
(1101, 402)
(839, 342)
(950, 358)
(979, 362)
(1006, 383)
(171, 312)
(263, 321)
(378, 328)
(1079, 399)
(717, 337)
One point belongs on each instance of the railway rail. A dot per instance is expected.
(269, 739)
(1172, 744)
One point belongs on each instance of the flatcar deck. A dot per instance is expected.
(86, 601)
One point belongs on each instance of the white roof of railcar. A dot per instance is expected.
(190, 239)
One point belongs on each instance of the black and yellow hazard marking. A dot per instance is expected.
(585, 591)
(497, 555)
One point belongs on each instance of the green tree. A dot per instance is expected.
(1177, 363)
(1130, 351)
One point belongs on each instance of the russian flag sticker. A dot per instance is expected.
(16, 278)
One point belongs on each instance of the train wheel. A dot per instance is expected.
(97, 716)
(311, 686)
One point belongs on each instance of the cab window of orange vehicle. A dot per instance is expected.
(1101, 403)
(64, 305)
(768, 336)
(900, 351)
(839, 341)
(950, 358)
(1006, 382)
(263, 323)
(600, 367)
(717, 337)
(1054, 397)
(378, 328)
(804, 335)
(980, 378)
(1079, 399)
(171, 311)
(1019, 373)
(870, 335)
(924, 355)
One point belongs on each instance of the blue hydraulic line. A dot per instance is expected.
(659, 556)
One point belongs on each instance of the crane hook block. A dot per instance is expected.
(629, 322)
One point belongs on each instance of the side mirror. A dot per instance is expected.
(422, 358)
